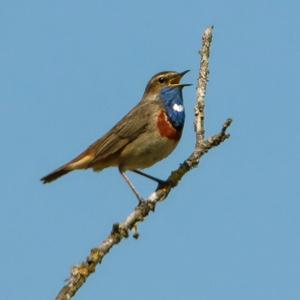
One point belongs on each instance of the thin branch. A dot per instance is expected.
(80, 273)
(202, 85)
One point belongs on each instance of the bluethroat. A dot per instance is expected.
(146, 135)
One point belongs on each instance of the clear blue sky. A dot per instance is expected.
(70, 69)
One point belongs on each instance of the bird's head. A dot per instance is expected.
(163, 80)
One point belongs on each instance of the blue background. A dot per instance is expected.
(70, 69)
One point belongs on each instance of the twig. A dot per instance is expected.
(202, 85)
(80, 273)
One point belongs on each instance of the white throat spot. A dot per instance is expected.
(178, 107)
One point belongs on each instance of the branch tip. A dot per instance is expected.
(226, 125)
(135, 231)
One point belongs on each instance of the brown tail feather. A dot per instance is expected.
(55, 174)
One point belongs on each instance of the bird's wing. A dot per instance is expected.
(126, 130)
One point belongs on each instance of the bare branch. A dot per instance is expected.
(80, 273)
(202, 84)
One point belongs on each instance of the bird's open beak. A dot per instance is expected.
(182, 85)
(183, 73)
(176, 80)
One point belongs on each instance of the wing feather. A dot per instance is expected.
(126, 130)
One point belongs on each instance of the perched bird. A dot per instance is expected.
(146, 135)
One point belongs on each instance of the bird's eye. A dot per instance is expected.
(161, 79)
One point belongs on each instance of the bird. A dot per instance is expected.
(148, 133)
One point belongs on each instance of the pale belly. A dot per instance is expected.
(146, 151)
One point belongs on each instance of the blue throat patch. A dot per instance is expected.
(173, 96)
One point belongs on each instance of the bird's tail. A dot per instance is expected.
(82, 161)
(56, 174)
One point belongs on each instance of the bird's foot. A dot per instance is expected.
(141, 201)
(163, 184)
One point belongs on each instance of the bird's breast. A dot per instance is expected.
(165, 127)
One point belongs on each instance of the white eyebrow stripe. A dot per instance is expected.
(178, 107)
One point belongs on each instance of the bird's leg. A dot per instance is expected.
(159, 181)
(132, 187)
